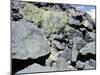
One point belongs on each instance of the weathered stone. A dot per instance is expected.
(92, 35)
(82, 29)
(16, 16)
(90, 27)
(89, 36)
(57, 45)
(73, 33)
(69, 67)
(53, 57)
(66, 54)
(79, 65)
(89, 48)
(87, 25)
(15, 13)
(55, 36)
(27, 41)
(70, 43)
(91, 64)
(74, 53)
(80, 44)
(61, 64)
(74, 22)
(76, 39)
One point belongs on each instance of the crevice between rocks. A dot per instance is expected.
(19, 64)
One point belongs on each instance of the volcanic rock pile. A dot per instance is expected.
(70, 47)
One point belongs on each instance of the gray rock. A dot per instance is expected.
(27, 41)
(16, 16)
(80, 44)
(88, 24)
(55, 36)
(59, 64)
(62, 65)
(70, 43)
(89, 48)
(74, 53)
(90, 27)
(79, 65)
(36, 68)
(66, 54)
(91, 64)
(92, 35)
(49, 62)
(85, 23)
(69, 67)
(82, 29)
(73, 33)
(15, 7)
(57, 45)
(74, 22)
(76, 39)
(89, 36)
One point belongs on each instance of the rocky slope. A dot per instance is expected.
(51, 37)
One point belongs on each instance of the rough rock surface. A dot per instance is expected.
(28, 41)
(51, 37)
(91, 64)
(89, 48)
(79, 65)
(66, 54)
(58, 45)
(74, 53)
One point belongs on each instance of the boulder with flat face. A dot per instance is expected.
(89, 48)
(80, 43)
(75, 53)
(27, 41)
(66, 54)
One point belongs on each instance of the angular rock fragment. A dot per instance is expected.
(91, 64)
(79, 65)
(57, 45)
(70, 43)
(89, 36)
(89, 48)
(61, 64)
(55, 36)
(66, 54)
(80, 44)
(15, 13)
(75, 53)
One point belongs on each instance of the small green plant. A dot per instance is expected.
(50, 20)
(54, 20)
(32, 13)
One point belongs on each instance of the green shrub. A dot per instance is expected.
(32, 13)
(50, 20)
